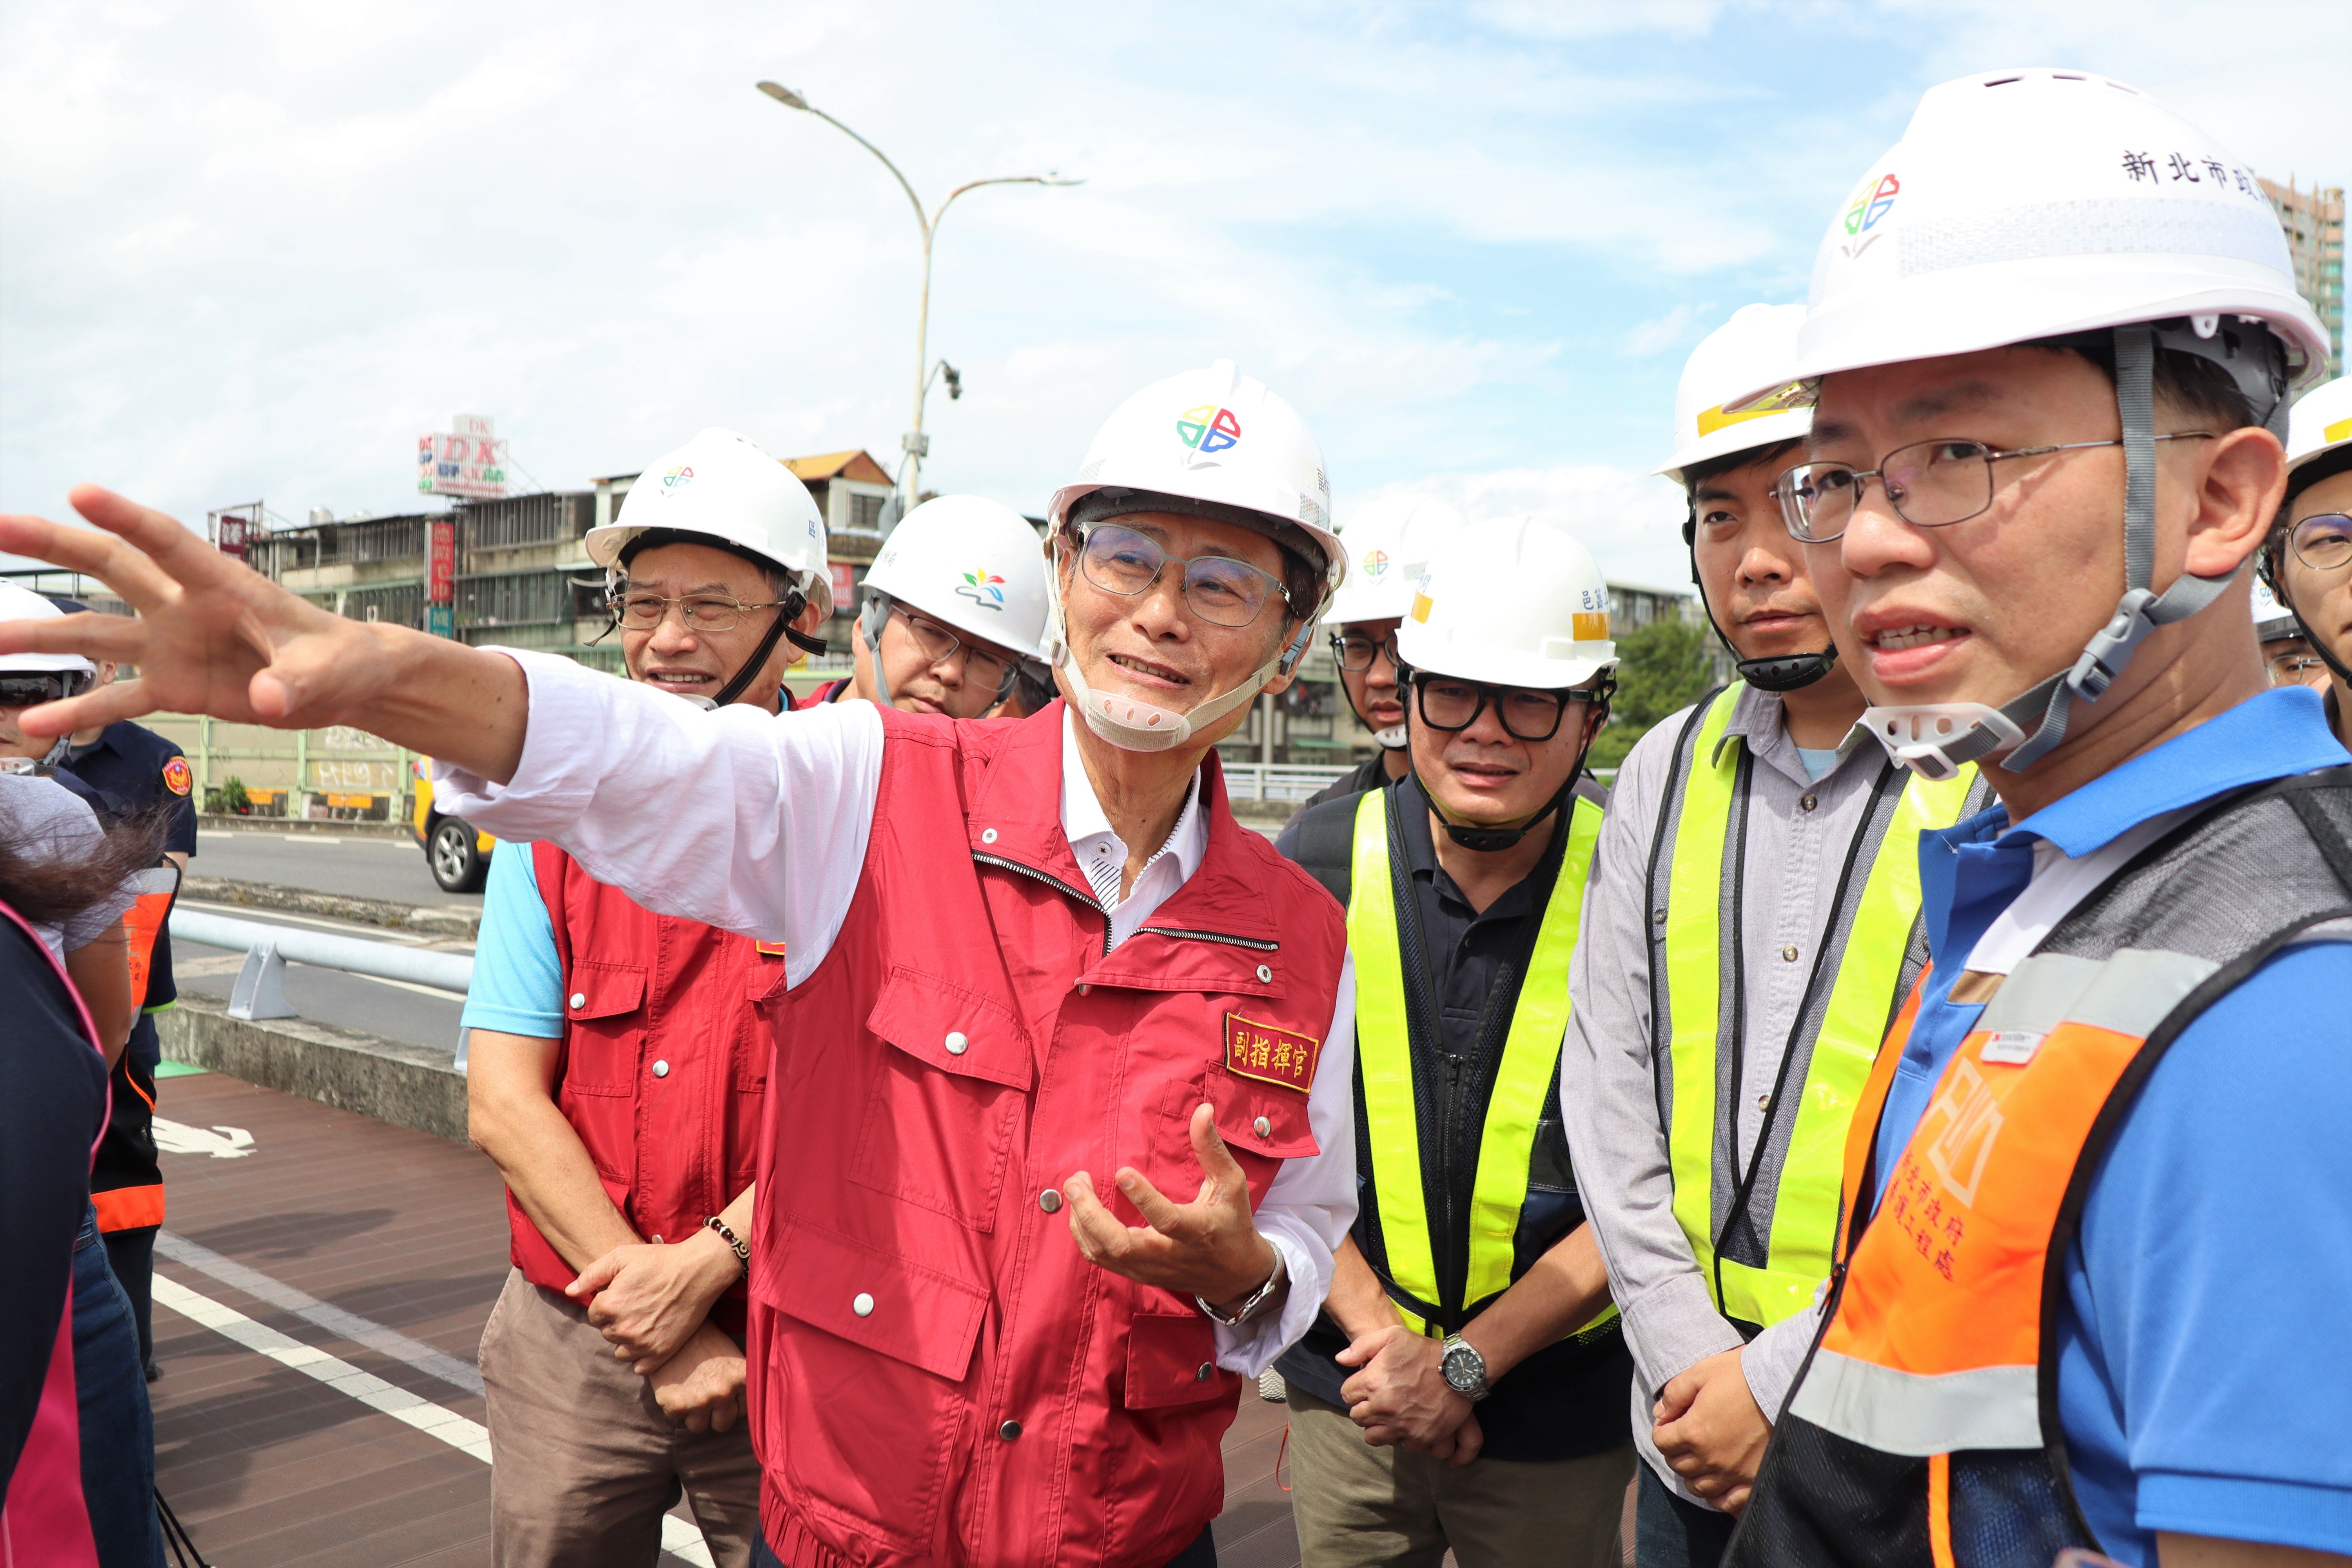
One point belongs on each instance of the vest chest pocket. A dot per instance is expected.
(605, 1019)
(1261, 1125)
(954, 1073)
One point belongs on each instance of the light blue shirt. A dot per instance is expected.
(2198, 1388)
(518, 984)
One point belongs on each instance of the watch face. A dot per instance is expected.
(1462, 1367)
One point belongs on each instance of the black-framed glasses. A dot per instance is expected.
(1452, 704)
(1217, 588)
(1355, 650)
(938, 645)
(639, 610)
(2323, 541)
(29, 689)
(1930, 484)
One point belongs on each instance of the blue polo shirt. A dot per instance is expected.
(2199, 1387)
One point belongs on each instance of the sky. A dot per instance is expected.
(254, 250)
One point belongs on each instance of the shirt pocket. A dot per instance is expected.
(605, 1012)
(948, 1094)
(1172, 1360)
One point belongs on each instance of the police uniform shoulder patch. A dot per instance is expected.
(177, 776)
(1270, 1055)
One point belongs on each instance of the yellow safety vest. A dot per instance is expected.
(1861, 1002)
(1384, 1073)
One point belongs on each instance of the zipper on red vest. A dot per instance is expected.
(1052, 881)
(1255, 944)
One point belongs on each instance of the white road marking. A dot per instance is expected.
(220, 1143)
(678, 1538)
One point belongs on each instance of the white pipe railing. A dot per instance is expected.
(260, 990)
(1277, 781)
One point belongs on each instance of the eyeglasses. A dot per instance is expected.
(1217, 588)
(1930, 484)
(642, 612)
(32, 690)
(2290, 669)
(1527, 715)
(1355, 651)
(2323, 541)
(937, 645)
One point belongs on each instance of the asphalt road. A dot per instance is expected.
(394, 1010)
(356, 866)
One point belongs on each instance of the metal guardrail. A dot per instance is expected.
(1278, 780)
(260, 988)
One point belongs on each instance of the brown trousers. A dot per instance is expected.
(583, 1463)
(1362, 1507)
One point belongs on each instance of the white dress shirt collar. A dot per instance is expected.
(1102, 853)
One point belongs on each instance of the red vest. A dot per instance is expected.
(936, 1376)
(663, 1062)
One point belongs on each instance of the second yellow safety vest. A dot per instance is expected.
(1688, 932)
(1384, 1069)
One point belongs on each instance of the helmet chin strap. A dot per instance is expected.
(1132, 724)
(1936, 740)
(870, 622)
(1790, 672)
(1391, 739)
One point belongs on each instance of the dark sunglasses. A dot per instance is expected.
(32, 690)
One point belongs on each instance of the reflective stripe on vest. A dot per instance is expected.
(143, 921)
(1384, 1066)
(1804, 1201)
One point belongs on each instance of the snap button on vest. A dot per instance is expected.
(1050, 1200)
(1009, 1431)
(1207, 1370)
(988, 836)
(661, 1069)
(1263, 974)
(1261, 1127)
(958, 1044)
(579, 999)
(862, 1304)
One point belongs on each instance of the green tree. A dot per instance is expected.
(1663, 667)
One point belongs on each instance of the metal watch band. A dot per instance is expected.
(1252, 1304)
(742, 1253)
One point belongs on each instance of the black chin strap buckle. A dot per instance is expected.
(1791, 673)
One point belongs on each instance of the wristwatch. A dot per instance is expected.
(1465, 1369)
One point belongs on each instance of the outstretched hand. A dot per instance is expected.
(211, 635)
(1209, 1247)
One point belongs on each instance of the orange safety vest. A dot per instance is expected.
(158, 886)
(1923, 1429)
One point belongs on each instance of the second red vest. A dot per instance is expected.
(664, 1063)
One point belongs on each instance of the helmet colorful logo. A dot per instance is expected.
(1376, 563)
(1867, 209)
(1208, 428)
(677, 479)
(983, 588)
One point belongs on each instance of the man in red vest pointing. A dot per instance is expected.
(1042, 987)
(619, 1060)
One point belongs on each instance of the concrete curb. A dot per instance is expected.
(408, 1086)
(463, 923)
(231, 822)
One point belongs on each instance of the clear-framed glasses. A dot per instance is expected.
(937, 645)
(1217, 588)
(638, 610)
(1355, 649)
(2294, 669)
(1452, 704)
(1930, 484)
(2323, 541)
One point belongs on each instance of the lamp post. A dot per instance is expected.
(915, 445)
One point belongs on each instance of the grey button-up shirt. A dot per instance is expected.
(1615, 1094)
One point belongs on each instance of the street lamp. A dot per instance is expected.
(915, 445)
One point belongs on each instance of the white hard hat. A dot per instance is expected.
(1219, 439)
(1388, 545)
(971, 563)
(2321, 423)
(1758, 347)
(1511, 603)
(723, 487)
(2028, 204)
(1219, 436)
(21, 603)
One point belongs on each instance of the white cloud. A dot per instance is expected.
(1631, 520)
